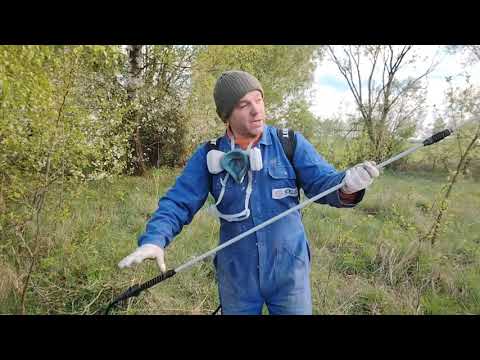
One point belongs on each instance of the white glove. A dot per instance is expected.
(147, 251)
(359, 177)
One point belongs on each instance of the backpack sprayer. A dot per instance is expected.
(135, 290)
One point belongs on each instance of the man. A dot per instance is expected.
(252, 180)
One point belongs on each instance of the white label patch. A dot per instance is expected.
(284, 192)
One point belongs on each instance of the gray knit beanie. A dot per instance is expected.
(231, 86)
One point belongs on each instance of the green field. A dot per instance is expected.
(367, 260)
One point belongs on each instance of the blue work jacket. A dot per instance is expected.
(255, 262)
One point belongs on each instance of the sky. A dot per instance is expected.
(332, 97)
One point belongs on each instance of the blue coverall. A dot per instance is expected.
(272, 265)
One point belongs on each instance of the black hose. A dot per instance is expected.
(136, 289)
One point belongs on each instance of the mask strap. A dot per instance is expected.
(241, 215)
(249, 191)
(222, 192)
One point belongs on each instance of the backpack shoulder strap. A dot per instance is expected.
(212, 144)
(289, 142)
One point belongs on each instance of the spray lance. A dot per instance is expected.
(135, 290)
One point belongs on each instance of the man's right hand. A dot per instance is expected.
(147, 251)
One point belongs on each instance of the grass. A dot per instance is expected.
(366, 260)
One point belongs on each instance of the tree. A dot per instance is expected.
(389, 106)
(134, 82)
(299, 118)
(157, 80)
(163, 98)
(463, 106)
(48, 141)
(475, 50)
(472, 50)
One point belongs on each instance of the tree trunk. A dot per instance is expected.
(134, 83)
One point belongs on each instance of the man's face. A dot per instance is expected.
(248, 115)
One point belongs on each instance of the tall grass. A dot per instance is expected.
(366, 260)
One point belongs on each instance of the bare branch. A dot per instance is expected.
(347, 74)
(357, 67)
(370, 89)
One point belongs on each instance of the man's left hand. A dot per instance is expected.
(360, 177)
